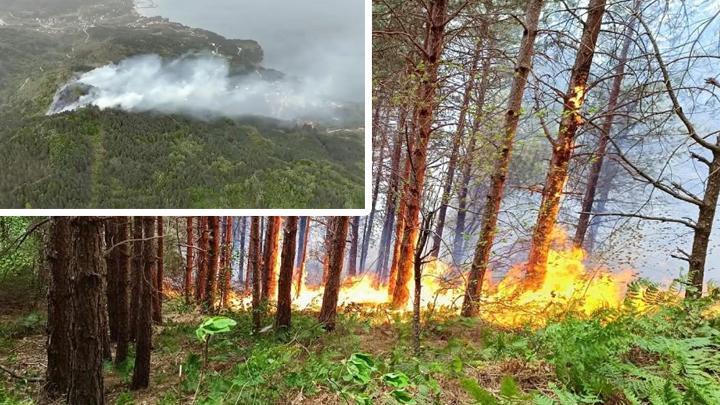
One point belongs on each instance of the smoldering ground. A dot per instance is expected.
(200, 85)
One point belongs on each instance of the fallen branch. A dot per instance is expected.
(20, 377)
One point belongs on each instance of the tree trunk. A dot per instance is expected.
(227, 268)
(253, 256)
(189, 266)
(241, 258)
(122, 279)
(400, 217)
(141, 373)
(703, 229)
(302, 253)
(391, 199)
(370, 220)
(599, 157)
(497, 180)
(61, 265)
(137, 267)
(327, 244)
(426, 104)
(563, 147)
(202, 266)
(457, 141)
(328, 310)
(282, 319)
(86, 375)
(111, 265)
(213, 259)
(158, 277)
(269, 279)
(352, 257)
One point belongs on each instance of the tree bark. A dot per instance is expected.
(563, 146)
(213, 259)
(703, 229)
(86, 375)
(497, 187)
(136, 268)
(302, 253)
(253, 257)
(241, 259)
(370, 220)
(352, 257)
(391, 199)
(60, 261)
(123, 272)
(190, 254)
(282, 318)
(141, 373)
(269, 279)
(202, 268)
(227, 268)
(158, 276)
(426, 101)
(328, 310)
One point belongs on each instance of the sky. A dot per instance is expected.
(318, 39)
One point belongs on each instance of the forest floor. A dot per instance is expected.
(672, 354)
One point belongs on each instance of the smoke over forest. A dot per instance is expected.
(194, 84)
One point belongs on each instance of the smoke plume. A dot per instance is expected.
(198, 85)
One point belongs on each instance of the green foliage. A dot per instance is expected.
(213, 326)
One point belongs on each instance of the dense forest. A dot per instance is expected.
(109, 158)
(261, 310)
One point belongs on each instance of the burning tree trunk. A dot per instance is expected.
(123, 271)
(563, 146)
(136, 271)
(213, 259)
(328, 310)
(254, 252)
(282, 319)
(457, 141)
(86, 374)
(227, 260)
(426, 103)
(60, 261)
(141, 373)
(400, 220)
(202, 266)
(302, 252)
(599, 157)
(158, 276)
(269, 279)
(494, 197)
(189, 266)
(352, 257)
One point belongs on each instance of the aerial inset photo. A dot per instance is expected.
(182, 104)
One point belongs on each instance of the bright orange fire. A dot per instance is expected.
(568, 288)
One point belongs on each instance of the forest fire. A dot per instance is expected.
(567, 288)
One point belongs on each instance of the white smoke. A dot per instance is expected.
(199, 85)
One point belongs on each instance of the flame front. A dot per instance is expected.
(567, 288)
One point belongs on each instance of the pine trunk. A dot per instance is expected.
(563, 146)
(494, 198)
(426, 104)
(213, 259)
(143, 347)
(60, 260)
(282, 319)
(122, 279)
(302, 253)
(253, 257)
(190, 248)
(270, 258)
(202, 268)
(137, 267)
(352, 257)
(158, 276)
(86, 374)
(328, 310)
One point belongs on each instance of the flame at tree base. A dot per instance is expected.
(567, 288)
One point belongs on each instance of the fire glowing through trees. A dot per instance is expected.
(567, 288)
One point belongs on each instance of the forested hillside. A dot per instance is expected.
(114, 159)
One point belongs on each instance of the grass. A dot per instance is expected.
(670, 356)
